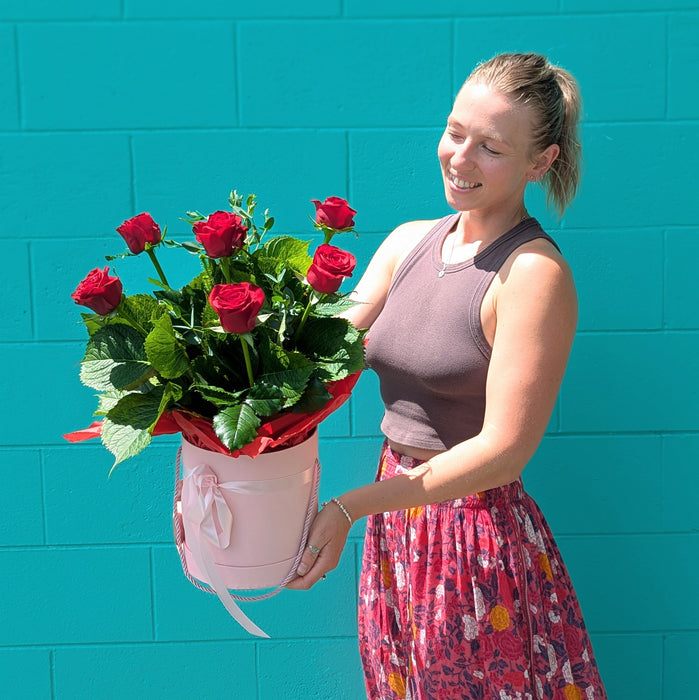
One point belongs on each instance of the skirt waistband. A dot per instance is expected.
(393, 463)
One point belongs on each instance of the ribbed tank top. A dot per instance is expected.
(427, 345)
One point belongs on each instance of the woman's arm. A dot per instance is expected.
(536, 309)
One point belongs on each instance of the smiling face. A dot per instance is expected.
(486, 151)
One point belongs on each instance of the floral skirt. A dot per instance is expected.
(470, 599)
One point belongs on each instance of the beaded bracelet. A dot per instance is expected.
(338, 503)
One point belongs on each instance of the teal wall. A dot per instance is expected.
(112, 107)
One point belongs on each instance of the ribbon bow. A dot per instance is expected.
(204, 505)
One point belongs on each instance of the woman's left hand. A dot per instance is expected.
(326, 540)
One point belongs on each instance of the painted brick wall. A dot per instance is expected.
(111, 107)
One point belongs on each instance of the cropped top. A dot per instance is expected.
(427, 345)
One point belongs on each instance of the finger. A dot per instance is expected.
(310, 555)
(315, 574)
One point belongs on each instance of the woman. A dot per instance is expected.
(463, 592)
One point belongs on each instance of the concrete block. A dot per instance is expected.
(680, 489)
(139, 75)
(176, 173)
(222, 9)
(681, 250)
(22, 517)
(43, 10)
(9, 106)
(619, 276)
(84, 505)
(681, 653)
(364, 65)
(75, 596)
(156, 671)
(635, 200)
(598, 483)
(683, 56)
(632, 382)
(15, 286)
(442, 8)
(63, 185)
(25, 673)
(320, 669)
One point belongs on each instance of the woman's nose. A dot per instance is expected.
(462, 158)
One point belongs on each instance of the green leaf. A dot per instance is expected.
(142, 308)
(265, 399)
(236, 426)
(218, 396)
(165, 353)
(335, 345)
(284, 252)
(333, 307)
(314, 398)
(291, 383)
(127, 427)
(115, 358)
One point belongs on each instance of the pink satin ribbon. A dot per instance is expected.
(205, 508)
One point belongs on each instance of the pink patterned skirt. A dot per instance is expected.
(469, 599)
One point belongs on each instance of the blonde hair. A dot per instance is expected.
(553, 95)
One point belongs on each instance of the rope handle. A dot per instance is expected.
(178, 528)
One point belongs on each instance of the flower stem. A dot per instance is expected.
(246, 355)
(306, 311)
(158, 269)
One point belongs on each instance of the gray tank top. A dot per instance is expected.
(427, 344)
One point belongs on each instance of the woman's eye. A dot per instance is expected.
(455, 137)
(490, 150)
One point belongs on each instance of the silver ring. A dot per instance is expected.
(323, 577)
(313, 549)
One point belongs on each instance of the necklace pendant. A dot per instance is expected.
(441, 272)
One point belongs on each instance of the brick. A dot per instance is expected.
(579, 481)
(636, 198)
(137, 76)
(21, 518)
(185, 613)
(683, 57)
(442, 8)
(41, 10)
(43, 376)
(681, 653)
(631, 665)
(359, 61)
(221, 9)
(156, 671)
(319, 669)
(25, 673)
(284, 169)
(9, 106)
(15, 286)
(631, 382)
(627, 269)
(605, 97)
(617, 577)
(79, 596)
(83, 180)
(682, 249)
(680, 489)
(132, 505)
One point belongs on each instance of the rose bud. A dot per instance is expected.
(237, 305)
(221, 234)
(98, 291)
(138, 231)
(334, 213)
(330, 266)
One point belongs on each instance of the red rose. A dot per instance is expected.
(98, 291)
(330, 266)
(221, 234)
(237, 305)
(138, 231)
(334, 213)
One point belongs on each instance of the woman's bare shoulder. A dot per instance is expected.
(404, 238)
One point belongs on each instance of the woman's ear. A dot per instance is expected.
(543, 162)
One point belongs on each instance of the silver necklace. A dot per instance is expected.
(446, 262)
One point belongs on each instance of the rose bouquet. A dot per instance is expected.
(248, 356)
